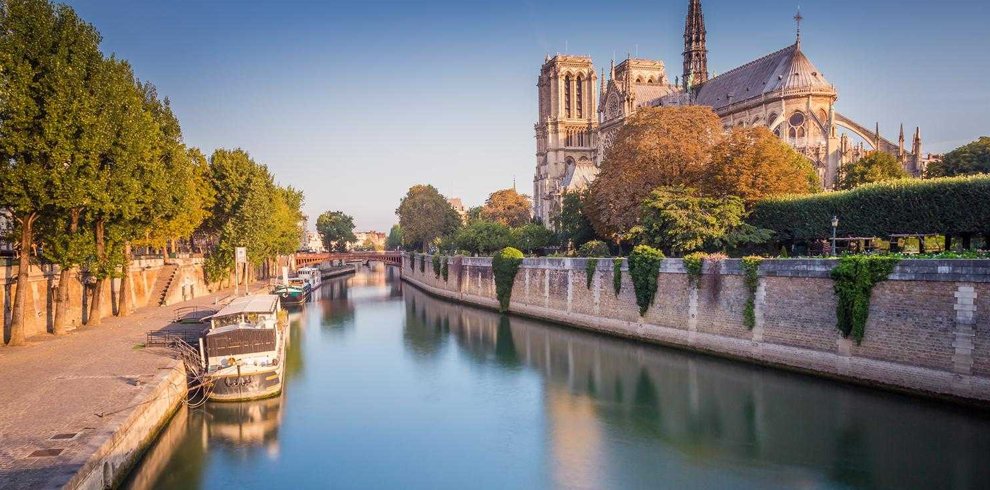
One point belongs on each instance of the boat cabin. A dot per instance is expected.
(244, 333)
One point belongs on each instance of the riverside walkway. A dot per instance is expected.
(63, 398)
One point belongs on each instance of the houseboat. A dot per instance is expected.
(294, 291)
(244, 349)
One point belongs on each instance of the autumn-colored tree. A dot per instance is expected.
(752, 164)
(425, 215)
(507, 207)
(658, 146)
(875, 167)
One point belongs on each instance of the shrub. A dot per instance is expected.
(953, 205)
(644, 267)
(617, 275)
(436, 266)
(694, 263)
(594, 248)
(589, 270)
(751, 278)
(855, 276)
(444, 268)
(505, 265)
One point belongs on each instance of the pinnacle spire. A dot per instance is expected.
(797, 19)
(695, 47)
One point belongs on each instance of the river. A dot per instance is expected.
(387, 387)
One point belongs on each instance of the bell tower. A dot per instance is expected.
(695, 48)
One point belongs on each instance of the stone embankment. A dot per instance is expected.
(928, 331)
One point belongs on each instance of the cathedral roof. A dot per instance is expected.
(784, 70)
(646, 92)
(579, 175)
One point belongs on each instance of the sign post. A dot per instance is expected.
(240, 257)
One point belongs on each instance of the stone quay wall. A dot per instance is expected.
(928, 331)
(189, 282)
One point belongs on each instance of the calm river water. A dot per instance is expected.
(390, 388)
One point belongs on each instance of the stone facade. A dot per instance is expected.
(783, 91)
(928, 330)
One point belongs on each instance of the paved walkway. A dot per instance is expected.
(57, 393)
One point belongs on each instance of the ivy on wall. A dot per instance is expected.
(422, 264)
(444, 268)
(590, 266)
(505, 265)
(436, 266)
(694, 263)
(854, 277)
(644, 268)
(617, 275)
(751, 278)
(412, 261)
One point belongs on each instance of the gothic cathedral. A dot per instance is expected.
(782, 90)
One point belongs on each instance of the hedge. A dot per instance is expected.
(952, 205)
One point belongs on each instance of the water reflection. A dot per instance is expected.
(642, 415)
(400, 389)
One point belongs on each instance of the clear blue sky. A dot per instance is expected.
(353, 102)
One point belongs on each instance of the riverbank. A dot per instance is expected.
(928, 331)
(78, 410)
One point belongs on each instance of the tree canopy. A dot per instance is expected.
(969, 159)
(507, 207)
(753, 163)
(394, 240)
(875, 167)
(425, 215)
(573, 227)
(336, 229)
(658, 146)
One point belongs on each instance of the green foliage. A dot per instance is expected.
(644, 267)
(875, 167)
(593, 248)
(394, 240)
(505, 265)
(436, 266)
(855, 276)
(422, 264)
(483, 237)
(953, 205)
(969, 159)
(617, 275)
(336, 229)
(412, 261)
(590, 266)
(425, 215)
(677, 221)
(751, 278)
(444, 268)
(783, 252)
(571, 224)
(694, 263)
(531, 237)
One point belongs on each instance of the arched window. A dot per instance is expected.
(580, 96)
(567, 96)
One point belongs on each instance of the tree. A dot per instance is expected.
(972, 158)
(394, 241)
(483, 237)
(875, 167)
(49, 57)
(425, 215)
(658, 146)
(531, 237)
(753, 163)
(507, 207)
(678, 221)
(336, 229)
(573, 227)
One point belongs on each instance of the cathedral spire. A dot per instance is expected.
(695, 48)
(900, 142)
(797, 19)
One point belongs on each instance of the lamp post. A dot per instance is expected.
(835, 224)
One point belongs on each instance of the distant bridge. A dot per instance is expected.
(389, 258)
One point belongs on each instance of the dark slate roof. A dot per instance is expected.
(787, 69)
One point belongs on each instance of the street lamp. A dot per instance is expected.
(835, 224)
